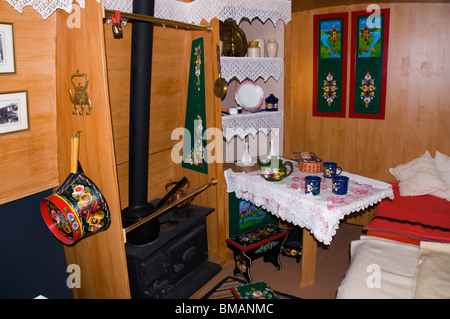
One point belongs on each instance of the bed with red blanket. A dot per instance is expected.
(412, 219)
(405, 251)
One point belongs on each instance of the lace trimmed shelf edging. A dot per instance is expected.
(242, 125)
(251, 68)
(47, 8)
(195, 11)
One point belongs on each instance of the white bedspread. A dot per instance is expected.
(432, 279)
(379, 269)
(388, 269)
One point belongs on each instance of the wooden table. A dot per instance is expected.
(319, 215)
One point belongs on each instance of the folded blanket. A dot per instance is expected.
(423, 218)
(432, 278)
(380, 269)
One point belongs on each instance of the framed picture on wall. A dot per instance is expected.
(7, 60)
(368, 68)
(330, 64)
(13, 112)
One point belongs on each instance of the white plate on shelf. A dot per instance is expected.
(249, 95)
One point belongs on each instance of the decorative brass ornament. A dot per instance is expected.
(233, 38)
(80, 97)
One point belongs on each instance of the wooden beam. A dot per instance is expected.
(101, 257)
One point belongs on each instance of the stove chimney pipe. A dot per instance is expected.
(140, 86)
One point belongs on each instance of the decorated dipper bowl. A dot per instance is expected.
(77, 209)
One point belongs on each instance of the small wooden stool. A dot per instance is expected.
(265, 241)
(292, 246)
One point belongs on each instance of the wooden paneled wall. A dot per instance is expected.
(217, 222)
(166, 105)
(170, 73)
(28, 159)
(417, 111)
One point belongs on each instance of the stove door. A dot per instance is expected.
(188, 252)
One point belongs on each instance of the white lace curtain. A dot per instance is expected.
(45, 8)
(197, 10)
(192, 12)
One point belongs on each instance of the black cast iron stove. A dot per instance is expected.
(175, 265)
(167, 256)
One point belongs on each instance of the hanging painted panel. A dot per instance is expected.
(330, 64)
(194, 149)
(370, 38)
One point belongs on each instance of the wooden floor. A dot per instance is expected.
(331, 265)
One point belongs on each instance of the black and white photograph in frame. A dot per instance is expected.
(7, 61)
(13, 112)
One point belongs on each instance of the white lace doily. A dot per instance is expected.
(321, 214)
(195, 11)
(252, 68)
(251, 123)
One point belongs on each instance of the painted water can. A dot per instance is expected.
(77, 210)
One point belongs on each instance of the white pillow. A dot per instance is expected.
(442, 162)
(419, 176)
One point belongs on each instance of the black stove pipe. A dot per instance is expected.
(140, 85)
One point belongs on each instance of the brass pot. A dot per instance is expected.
(179, 193)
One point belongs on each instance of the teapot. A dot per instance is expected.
(179, 193)
(274, 170)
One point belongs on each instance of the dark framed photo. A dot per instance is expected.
(13, 112)
(7, 60)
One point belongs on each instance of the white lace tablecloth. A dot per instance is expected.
(320, 214)
(251, 123)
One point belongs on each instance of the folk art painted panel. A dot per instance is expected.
(370, 38)
(368, 64)
(330, 64)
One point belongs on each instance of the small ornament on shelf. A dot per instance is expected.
(272, 48)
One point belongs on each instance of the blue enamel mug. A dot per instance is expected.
(312, 185)
(340, 185)
(331, 169)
